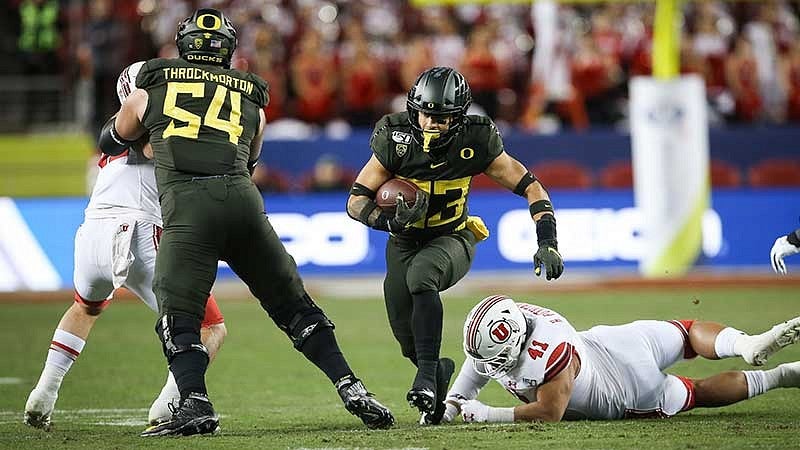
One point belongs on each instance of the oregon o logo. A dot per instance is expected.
(467, 153)
(216, 23)
(500, 332)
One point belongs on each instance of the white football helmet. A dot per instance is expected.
(494, 333)
(126, 83)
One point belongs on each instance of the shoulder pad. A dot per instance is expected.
(479, 120)
(150, 73)
(261, 92)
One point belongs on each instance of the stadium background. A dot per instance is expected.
(335, 67)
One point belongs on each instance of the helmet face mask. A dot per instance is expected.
(494, 334)
(440, 91)
(207, 37)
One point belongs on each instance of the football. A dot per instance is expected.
(386, 197)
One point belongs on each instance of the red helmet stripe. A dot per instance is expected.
(472, 331)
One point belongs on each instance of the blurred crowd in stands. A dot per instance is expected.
(354, 60)
(337, 61)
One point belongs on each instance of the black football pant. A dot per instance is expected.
(418, 271)
(220, 218)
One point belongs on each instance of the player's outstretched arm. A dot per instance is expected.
(552, 398)
(551, 402)
(784, 246)
(510, 173)
(466, 387)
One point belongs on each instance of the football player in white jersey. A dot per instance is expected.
(114, 247)
(606, 372)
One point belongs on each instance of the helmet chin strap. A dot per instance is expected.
(428, 136)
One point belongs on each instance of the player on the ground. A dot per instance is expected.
(606, 372)
(114, 247)
(784, 246)
(439, 148)
(205, 123)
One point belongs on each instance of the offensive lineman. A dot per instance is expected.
(606, 372)
(205, 123)
(114, 247)
(439, 148)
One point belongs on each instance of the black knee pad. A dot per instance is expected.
(305, 324)
(179, 334)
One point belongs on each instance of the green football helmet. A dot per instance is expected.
(207, 37)
(438, 91)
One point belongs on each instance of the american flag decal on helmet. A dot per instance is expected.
(215, 43)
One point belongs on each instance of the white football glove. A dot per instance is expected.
(781, 249)
(474, 411)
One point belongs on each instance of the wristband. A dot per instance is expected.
(497, 415)
(546, 230)
(541, 206)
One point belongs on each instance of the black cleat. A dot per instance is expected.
(422, 398)
(444, 371)
(362, 404)
(194, 415)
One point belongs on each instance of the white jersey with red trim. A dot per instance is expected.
(620, 366)
(548, 350)
(124, 189)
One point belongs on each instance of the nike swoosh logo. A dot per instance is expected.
(433, 166)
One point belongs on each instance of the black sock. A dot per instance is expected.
(426, 374)
(426, 324)
(322, 349)
(189, 369)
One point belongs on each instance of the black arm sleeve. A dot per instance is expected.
(110, 142)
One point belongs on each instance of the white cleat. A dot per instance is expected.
(758, 348)
(167, 400)
(160, 411)
(39, 408)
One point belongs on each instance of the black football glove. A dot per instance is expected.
(405, 215)
(548, 256)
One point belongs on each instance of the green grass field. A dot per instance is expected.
(270, 397)
(44, 164)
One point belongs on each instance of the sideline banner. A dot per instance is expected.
(596, 229)
(669, 136)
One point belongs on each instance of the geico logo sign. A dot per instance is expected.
(592, 235)
(324, 239)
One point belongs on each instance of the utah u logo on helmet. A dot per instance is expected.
(494, 333)
(207, 37)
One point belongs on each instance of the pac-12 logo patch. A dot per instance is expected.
(401, 138)
(500, 332)
(401, 149)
